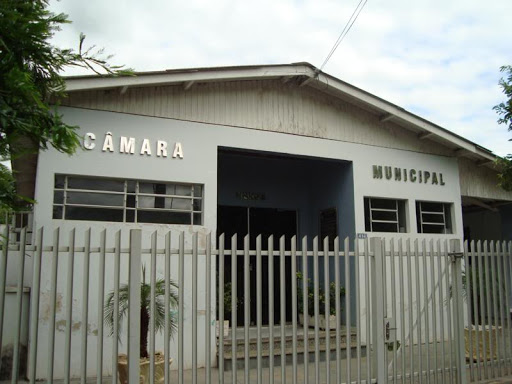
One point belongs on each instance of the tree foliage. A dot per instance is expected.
(31, 86)
(504, 110)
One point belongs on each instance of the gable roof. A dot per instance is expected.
(308, 76)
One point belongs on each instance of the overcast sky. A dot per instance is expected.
(439, 59)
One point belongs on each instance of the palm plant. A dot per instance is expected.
(145, 303)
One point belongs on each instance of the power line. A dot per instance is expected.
(345, 30)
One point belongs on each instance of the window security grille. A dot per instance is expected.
(129, 201)
(384, 215)
(433, 217)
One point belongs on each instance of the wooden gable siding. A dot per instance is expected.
(480, 182)
(266, 105)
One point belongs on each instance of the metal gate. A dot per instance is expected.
(366, 310)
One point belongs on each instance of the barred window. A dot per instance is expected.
(128, 201)
(384, 215)
(433, 217)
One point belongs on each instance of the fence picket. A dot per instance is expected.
(247, 308)
(434, 309)
(488, 310)
(208, 305)
(418, 308)
(34, 302)
(357, 260)
(316, 287)
(338, 307)
(259, 295)
(282, 304)
(53, 304)
(327, 311)
(402, 308)
(270, 248)
(152, 307)
(85, 304)
(194, 305)
(346, 249)
(425, 306)
(117, 272)
(234, 305)
(222, 283)
(3, 278)
(293, 277)
(134, 280)
(181, 308)
(482, 306)
(474, 271)
(69, 302)
(19, 303)
(305, 309)
(101, 300)
(369, 313)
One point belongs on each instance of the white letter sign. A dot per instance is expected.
(127, 145)
(89, 140)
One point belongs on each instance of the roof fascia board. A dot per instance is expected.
(156, 79)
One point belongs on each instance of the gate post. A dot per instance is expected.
(134, 278)
(378, 310)
(458, 308)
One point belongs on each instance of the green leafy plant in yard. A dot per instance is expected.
(145, 313)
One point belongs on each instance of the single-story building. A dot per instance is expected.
(270, 149)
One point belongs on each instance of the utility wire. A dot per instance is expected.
(345, 30)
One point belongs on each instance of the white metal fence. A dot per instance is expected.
(365, 311)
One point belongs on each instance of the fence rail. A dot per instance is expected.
(362, 311)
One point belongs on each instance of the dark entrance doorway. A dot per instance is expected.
(265, 222)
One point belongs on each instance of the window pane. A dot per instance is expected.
(130, 216)
(432, 218)
(130, 186)
(383, 203)
(384, 227)
(95, 184)
(146, 202)
(165, 203)
(57, 212)
(153, 188)
(183, 190)
(431, 207)
(95, 199)
(176, 203)
(59, 181)
(197, 205)
(162, 217)
(130, 201)
(367, 225)
(197, 219)
(58, 197)
(384, 215)
(198, 191)
(94, 214)
(433, 228)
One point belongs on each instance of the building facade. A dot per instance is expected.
(279, 149)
